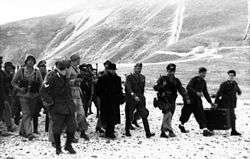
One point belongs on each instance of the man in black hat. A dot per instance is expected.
(167, 88)
(109, 90)
(59, 101)
(135, 99)
(226, 97)
(196, 88)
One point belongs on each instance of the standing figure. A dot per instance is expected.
(196, 88)
(27, 81)
(58, 99)
(109, 90)
(135, 100)
(226, 97)
(9, 70)
(167, 87)
(75, 82)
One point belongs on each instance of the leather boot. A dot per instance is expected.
(57, 144)
(68, 146)
(234, 132)
(146, 128)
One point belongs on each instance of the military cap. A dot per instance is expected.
(138, 65)
(74, 57)
(202, 69)
(232, 71)
(112, 66)
(107, 63)
(171, 67)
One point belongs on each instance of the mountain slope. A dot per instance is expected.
(128, 31)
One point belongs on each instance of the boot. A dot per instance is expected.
(100, 130)
(57, 144)
(146, 128)
(127, 133)
(234, 132)
(182, 129)
(68, 147)
(35, 125)
(171, 133)
(83, 135)
(163, 135)
(135, 123)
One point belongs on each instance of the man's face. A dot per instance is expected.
(203, 74)
(137, 69)
(171, 72)
(30, 63)
(76, 62)
(43, 68)
(231, 76)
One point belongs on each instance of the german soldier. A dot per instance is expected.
(167, 87)
(135, 100)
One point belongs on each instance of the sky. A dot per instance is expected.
(13, 10)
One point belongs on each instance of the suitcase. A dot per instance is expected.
(218, 119)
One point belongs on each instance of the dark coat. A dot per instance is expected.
(109, 90)
(226, 96)
(167, 89)
(3, 91)
(57, 92)
(197, 84)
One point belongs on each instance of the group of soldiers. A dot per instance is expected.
(67, 92)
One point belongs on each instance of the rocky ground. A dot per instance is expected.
(191, 145)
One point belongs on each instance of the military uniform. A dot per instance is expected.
(57, 96)
(134, 87)
(167, 87)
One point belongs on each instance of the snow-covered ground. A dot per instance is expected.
(192, 145)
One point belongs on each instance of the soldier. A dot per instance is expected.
(60, 106)
(196, 88)
(167, 87)
(109, 92)
(75, 82)
(43, 69)
(135, 100)
(226, 97)
(27, 81)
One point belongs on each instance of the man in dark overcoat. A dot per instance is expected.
(226, 97)
(135, 100)
(109, 90)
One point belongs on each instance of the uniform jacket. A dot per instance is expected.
(226, 96)
(57, 92)
(135, 83)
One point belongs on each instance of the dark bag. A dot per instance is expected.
(161, 104)
(218, 119)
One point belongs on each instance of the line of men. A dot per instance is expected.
(66, 93)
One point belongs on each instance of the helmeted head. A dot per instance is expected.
(75, 59)
(30, 61)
